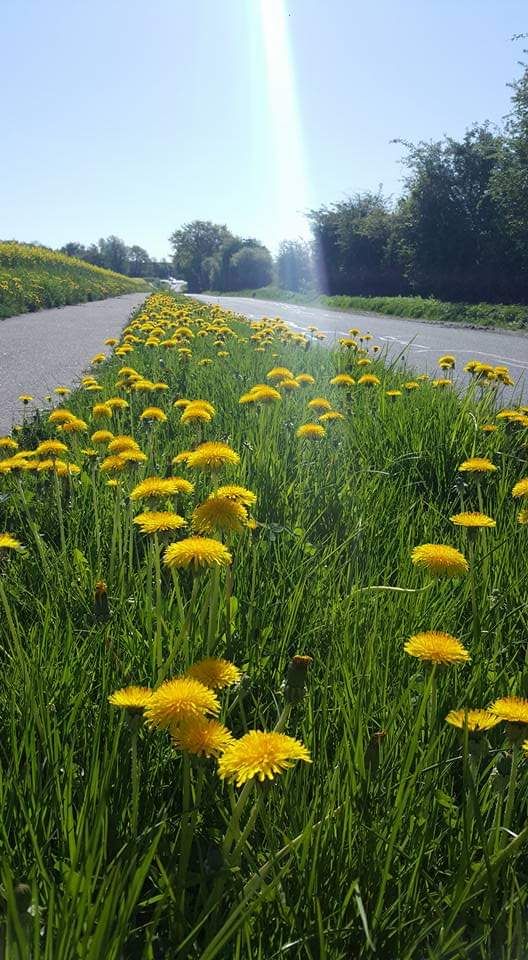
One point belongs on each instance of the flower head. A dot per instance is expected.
(437, 647)
(178, 700)
(219, 513)
(320, 404)
(212, 456)
(369, 380)
(8, 542)
(50, 448)
(198, 553)
(201, 737)
(215, 673)
(133, 699)
(512, 709)
(260, 756)
(521, 488)
(159, 521)
(342, 380)
(161, 487)
(477, 465)
(102, 436)
(475, 520)
(280, 373)
(310, 431)
(153, 413)
(235, 492)
(440, 560)
(474, 720)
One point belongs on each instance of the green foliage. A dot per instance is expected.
(294, 265)
(404, 839)
(32, 278)
(208, 257)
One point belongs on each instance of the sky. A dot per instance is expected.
(132, 118)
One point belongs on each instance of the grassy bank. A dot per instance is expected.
(514, 316)
(122, 831)
(32, 278)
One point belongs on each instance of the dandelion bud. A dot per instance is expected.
(296, 676)
(101, 606)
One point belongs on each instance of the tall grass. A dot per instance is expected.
(405, 838)
(32, 278)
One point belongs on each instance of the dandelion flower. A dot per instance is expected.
(7, 443)
(74, 426)
(305, 379)
(511, 709)
(280, 373)
(153, 413)
(474, 720)
(133, 699)
(343, 380)
(161, 487)
(121, 443)
(411, 385)
(233, 492)
(320, 405)
(330, 415)
(477, 465)
(178, 700)
(60, 416)
(476, 520)
(437, 647)
(260, 756)
(102, 436)
(50, 448)
(212, 456)
(101, 411)
(198, 553)
(201, 737)
(215, 673)
(219, 513)
(521, 488)
(8, 542)
(440, 560)
(522, 516)
(369, 380)
(25, 398)
(159, 521)
(310, 431)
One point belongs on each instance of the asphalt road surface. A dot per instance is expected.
(51, 348)
(422, 343)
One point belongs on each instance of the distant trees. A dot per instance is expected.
(208, 256)
(114, 254)
(294, 265)
(459, 232)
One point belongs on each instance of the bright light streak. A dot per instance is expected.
(292, 197)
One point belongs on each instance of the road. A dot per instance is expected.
(51, 348)
(422, 342)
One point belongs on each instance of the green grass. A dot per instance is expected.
(512, 316)
(402, 839)
(33, 278)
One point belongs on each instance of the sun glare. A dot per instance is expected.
(292, 197)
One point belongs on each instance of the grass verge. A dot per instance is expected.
(33, 278)
(406, 836)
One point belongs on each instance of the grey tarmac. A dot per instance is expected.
(51, 348)
(421, 343)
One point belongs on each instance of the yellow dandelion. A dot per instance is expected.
(121, 443)
(343, 380)
(522, 516)
(8, 542)
(440, 560)
(305, 379)
(212, 456)
(134, 699)
(369, 380)
(475, 520)
(320, 405)
(201, 737)
(50, 448)
(102, 436)
(60, 416)
(330, 415)
(310, 431)
(117, 403)
(196, 413)
(489, 427)
(477, 465)
(260, 756)
(411, 385)
(219, 513)
(113, 464)
(198, 553)
(161, 487)
(74, 426)
(436, 647)
(159, 521)
(280, 373)
(25, 398)
(511, 709)
(179, 700)
(261, 393)
(7, 443)
(521, 488)
(233, 492)
(101, 411)
(153, 413)
(474, 720)
(215, 673)
(62, 391)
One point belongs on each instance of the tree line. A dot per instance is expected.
(114, 254)
(458, 232)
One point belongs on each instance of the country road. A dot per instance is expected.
(422, 342)
(51, 348)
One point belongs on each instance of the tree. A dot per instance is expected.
(294, 265)
(194, 245)
(251, 266)
(74, 249)
(139, 262)
(114, 254)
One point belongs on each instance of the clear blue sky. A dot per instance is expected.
(133, 117)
